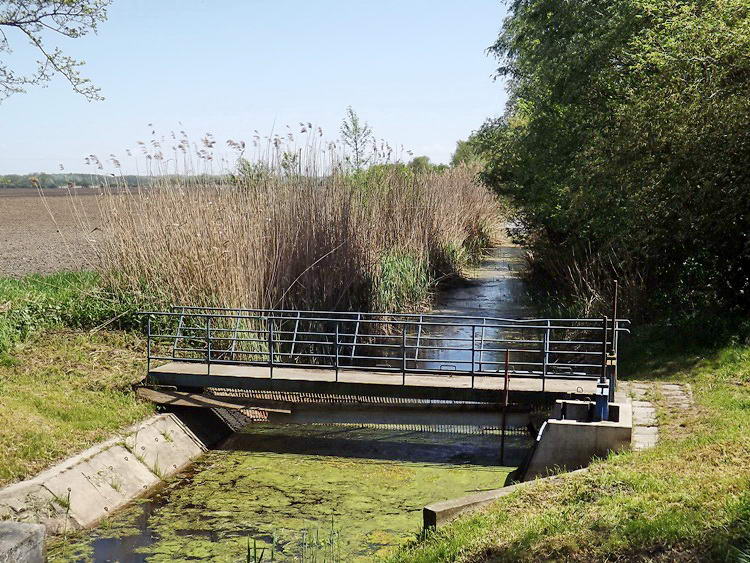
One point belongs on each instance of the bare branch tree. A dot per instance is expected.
(34, 20)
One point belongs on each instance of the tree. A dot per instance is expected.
(420, 164)
(465, 153)
(34, 19)
(357, 136)
(626, 147)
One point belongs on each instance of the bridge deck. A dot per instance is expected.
(365, 382)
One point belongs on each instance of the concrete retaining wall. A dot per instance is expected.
(571, 443)
(21, 542)
(85, 488)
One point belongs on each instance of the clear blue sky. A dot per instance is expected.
(416, 70)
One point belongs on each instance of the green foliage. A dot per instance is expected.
(402, 279)
(466, 153)
(626, 147)
(422, 165)
(73, 300)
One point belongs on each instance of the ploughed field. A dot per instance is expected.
(46, 234)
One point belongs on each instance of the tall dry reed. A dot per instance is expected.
(269, 238)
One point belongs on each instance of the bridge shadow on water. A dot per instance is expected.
(378, 443)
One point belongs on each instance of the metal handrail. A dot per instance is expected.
(409, 343)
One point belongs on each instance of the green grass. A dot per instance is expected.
(686, 499)
(403, 281)
(63, 392)
(65, 376)
(74, 300)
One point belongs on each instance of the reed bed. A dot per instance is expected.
(264, 238)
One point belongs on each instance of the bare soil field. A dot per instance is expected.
(45, 234)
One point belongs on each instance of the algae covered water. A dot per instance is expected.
(301, 488)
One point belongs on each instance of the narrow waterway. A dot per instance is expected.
(305, 488)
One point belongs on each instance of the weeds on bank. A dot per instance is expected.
(68, 300)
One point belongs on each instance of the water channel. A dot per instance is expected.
(305, 488)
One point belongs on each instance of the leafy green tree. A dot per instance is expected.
(420, 164)
(626, 146)
(34, 20)
(465, 153)
(357, 137)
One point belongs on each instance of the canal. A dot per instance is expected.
(315, 492)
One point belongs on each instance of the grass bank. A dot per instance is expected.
(688, 499)
(65, 374)
(61, 392)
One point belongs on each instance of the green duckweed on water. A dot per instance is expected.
(288, 485)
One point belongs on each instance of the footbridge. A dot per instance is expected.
(271, 359)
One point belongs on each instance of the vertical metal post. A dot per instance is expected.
(269, 322)
(613, 372)
(337, 351)
(545, 354)
(605, 329)
(354, 338)
(473, 351)
(208, 344)
(403, 354)
(505, 406)
(601, 407)
(419, 336)
(294, 336)
(234, 336)
(148, 348)
(481, 343)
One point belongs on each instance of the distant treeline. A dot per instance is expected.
(62, 180)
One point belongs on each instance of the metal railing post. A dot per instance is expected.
(403, 354)
(294, 336)
(148, 348)
(601, 407)
(545, 354)
(208, 345)
(269, 323)
(613, 371)
(506, 392)
(481, 343)
(337, 351)
(473, 351)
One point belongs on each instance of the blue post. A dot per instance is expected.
(601, 407)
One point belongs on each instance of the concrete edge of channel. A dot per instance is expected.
(438, 514)
(87, 487)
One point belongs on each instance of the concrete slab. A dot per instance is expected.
(438, 514)
(96, 487)
(21, 542)
(568, 444)
(91, 485)
(31, 502)
(164, 445)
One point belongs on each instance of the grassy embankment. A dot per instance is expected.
(69, 348)
(64, 383)
(688, 499)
